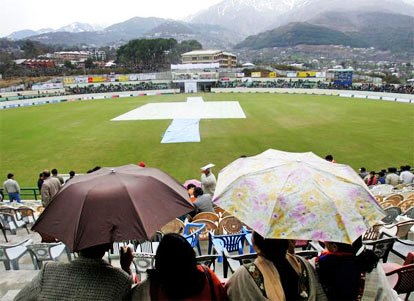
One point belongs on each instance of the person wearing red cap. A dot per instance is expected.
(142, 164)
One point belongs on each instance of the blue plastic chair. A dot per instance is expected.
(232, 242)
(192, 233)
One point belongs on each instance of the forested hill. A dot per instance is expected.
(299, 33)
(383, 31)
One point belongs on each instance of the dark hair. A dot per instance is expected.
(372, 172)
(381, 174)
(46, 173)
(366, 260)
(271, 249)
(191, 186)
(10, 175)
(275, 250)
(95, 251)
(176, 270)
(362, 169)
(329, 158)
(392, 169)
(198, 191)
(54, 171)
(71, 173)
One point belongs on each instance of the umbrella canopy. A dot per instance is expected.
(297, 196)
(113, 204)
(197, 183)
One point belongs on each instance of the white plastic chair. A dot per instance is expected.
(45, 252)
(10, 254)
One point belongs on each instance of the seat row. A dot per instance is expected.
(11, 254)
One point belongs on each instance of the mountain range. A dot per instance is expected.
(255, 24)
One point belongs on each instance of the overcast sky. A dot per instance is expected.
(36, 14)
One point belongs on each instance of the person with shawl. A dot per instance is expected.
(274, 275)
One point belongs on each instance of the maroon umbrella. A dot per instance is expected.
(113, 204)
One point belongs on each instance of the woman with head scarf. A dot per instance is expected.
(275, 275)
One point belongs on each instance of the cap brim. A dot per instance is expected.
(210, 165)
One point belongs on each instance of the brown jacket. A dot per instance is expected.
(50, 187)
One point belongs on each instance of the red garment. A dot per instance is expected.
(219, 291)
(372, 181)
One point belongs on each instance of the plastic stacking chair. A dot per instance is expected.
(404, 283)
(399, 230)
(192, 233)
(230, 225)
(11, 223)
(396, 198)
(307, 254)
(148, 245)
(232, 242)
(208, 260)
(142, 262)
(381, 247)
(392, 214)
(3, 231)
(210, 227)
(11, 254)
(207, 216)
(26, 214)
(409, 213)
(406, 205)
(174, 226)
(233, 261)
(45, 252)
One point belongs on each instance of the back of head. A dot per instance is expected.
(54, 171)
(366, 259)
(10, 175)
(95, 252)
(271, 249)
(189, 186)
(71, 173)
(363, 169)
(329, 158)
(176, 268)
(46, 174)
(198, 191)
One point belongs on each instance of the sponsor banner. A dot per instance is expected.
(133, 77)
(68, 80)
(97, 79)
(239, 75)
(47, 86)
(81, 79)
(144, 76)
(303, 74)
(320, 74)
(291, 74)
(123, 78)
(272, 74)
(256, 74)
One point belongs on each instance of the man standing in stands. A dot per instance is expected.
(406, 176)
(392, 178)
(55, 175)
(50, 187)
(12, 188)
(208, 180)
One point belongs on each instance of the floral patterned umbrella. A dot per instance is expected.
(297, 196)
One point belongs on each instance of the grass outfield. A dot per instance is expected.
(79, 135)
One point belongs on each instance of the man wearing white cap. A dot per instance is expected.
(208, 180)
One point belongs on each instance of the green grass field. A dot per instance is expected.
(79, 135)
